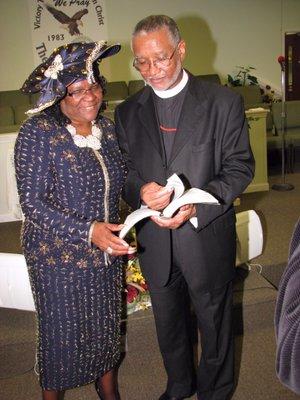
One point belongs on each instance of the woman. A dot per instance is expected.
(287, 318)
(69, 175)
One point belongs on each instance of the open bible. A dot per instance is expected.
(181, 197)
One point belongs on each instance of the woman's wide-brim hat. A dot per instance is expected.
(66, 64)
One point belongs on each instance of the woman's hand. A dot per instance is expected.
(103, 237)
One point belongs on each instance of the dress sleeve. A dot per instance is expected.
(35, 182)
(287, 319)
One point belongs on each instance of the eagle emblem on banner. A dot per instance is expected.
(71, 24)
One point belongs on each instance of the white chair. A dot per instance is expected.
(15, 291)
(249, 236)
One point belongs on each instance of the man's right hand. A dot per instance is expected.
(155, 196)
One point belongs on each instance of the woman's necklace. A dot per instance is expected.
(92, 140)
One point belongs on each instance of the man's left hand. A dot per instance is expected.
(184, 214)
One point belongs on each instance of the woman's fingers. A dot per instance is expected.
(104, 238)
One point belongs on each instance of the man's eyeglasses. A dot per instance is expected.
(80, 93)
(143, 65)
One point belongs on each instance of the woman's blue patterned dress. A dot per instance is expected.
(77, 291)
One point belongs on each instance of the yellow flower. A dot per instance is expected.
(133, 272)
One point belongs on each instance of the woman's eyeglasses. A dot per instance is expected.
(80, 93)
(143, 65)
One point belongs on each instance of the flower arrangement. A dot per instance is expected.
(244, 77)
(137, 294)
(269, 95)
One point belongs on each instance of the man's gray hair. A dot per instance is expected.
(156, 22)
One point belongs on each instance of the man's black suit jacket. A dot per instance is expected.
(211, 152)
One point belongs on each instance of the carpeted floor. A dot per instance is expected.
(141, 374)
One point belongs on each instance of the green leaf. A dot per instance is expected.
(236, 82)
(253, 79)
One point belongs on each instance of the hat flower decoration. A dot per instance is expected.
(54, 68)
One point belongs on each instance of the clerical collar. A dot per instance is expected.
(165, 94)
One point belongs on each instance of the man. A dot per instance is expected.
(179, 124)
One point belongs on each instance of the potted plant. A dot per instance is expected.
(243, 77)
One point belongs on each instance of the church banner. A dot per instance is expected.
(57, 22)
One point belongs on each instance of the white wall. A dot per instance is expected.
(220, 34)
(15, 44)
(9, 202)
